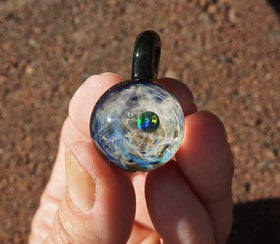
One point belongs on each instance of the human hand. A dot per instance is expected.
(188, 200)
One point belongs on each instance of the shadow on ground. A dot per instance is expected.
(256, 222)
(276, 5)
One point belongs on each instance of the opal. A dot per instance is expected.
(138, 126)
(148, 122)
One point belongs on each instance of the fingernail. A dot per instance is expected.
(81, 186)
(110, 73)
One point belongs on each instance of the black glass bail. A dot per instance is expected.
(146, 56)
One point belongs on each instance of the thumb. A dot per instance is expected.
(99, 201)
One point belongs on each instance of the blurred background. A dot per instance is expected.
(227, 52)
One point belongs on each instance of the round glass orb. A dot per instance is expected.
(138, 126)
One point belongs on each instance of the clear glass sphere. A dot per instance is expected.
(138, 126)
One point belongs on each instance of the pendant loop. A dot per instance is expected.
(137, 125)
(146, 57)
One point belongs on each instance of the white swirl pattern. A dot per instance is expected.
(116, 134)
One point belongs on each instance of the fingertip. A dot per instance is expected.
(114, 198)
(85, 98)
(209, 122)
(181, 92)
(205, 156)
(112, 74)
(105, 175)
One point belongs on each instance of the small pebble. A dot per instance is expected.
(212, 9)
(29, 70)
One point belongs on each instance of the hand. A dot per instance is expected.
(188, 200)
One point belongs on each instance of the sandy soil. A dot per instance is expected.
(226, 51)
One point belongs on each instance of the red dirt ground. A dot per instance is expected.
(226, 51)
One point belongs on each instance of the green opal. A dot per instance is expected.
(148, 122)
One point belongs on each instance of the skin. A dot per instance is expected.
(188, 200)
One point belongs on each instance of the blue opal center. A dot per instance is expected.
(148, 122)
